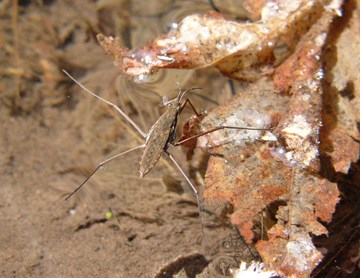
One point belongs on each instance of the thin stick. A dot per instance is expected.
(101, 164)
(212, 5)
(195, 192)
(218, 128)
(15, 30)
(232, 87)
(142, 133)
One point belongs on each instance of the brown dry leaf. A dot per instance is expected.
(341, 148)
(254, 176)
(246, 172)
(289, 248)
(280, 175)
(301, 76)
(239, 50)
(341, 115)
(304, 118)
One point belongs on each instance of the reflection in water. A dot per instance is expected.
(234, 250)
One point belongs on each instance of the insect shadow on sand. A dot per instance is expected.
(160, 136)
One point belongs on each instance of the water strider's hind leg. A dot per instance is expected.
(101, 164)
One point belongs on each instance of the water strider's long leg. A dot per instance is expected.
(142, 133)
(101, 164)
(192, 186)
(218, 128)
(187, 101)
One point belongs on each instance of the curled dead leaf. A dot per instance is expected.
(239, 50)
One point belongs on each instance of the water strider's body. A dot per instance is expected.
(160, 135)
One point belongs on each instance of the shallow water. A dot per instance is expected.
(53, 135)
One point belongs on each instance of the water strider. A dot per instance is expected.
(159, 137)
